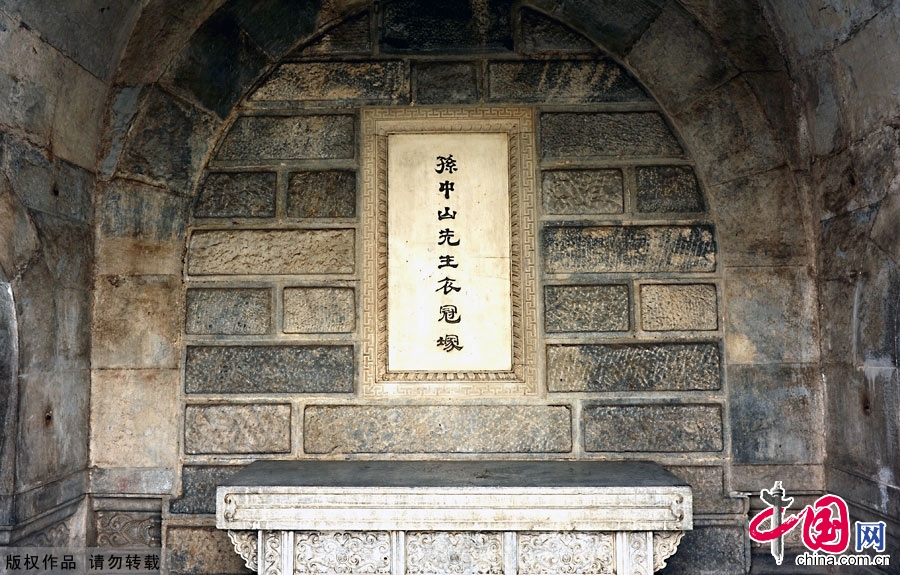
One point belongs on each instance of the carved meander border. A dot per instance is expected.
(377, 379)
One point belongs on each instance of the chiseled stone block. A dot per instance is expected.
(668, 189)
(542, 34)
(237, 428)
(385, 82)
(573, 81)
(634, 367)
(342, 552)
(270, 369)
(239, 252)
(224, 311)
(679, 307)
(437, 429)
(319, 310)
(237, 195)
(198, 550)
(198, 487)
(566, 552)
(429, 552)
(321, 194)
(652, 428)
(586, 308)
(445, 82)
(254, 138)
(610, 249)
(604, 134)
(582, 192)
(410, 26)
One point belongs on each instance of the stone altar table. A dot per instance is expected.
(435, 517)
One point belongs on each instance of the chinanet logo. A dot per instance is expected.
(825, 527)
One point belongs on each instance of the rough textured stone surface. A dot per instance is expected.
(319, 310)
(49, 185)
(338, 82)
(722, 550)
(277, 26)
(270, 369)
(237, 428)
(134, 417)
(225, 311)
(352, 36)
(237, 195)
(67, 248)
(653, 428)
(607, 249)
(445, 83)
(582, 192)
(576, 81)
(168, 142)
(679, 307)
(634, 367)
(776, 414)
(708, 487)
(198, 488)
(135, 322)
(437, 429)
(321, 194)
(272, 252)
(586, 308)
(668, 189)
(198, 550)
(585, 135)
(450, 26)
(770, 316)
(254, 138)
(540, 34)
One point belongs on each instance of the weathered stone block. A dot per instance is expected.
(582, 192)
(133, 529)
(277, 26)
(719, 549)
(210, 429)
(679, 307)
(610, 249)
(385, 82)
(708, 489)
(255, 138)
(266, 252)
(652, 428)
(198, 550)
(668, 189)
(771, 316)
(237, 195)
(68, 250)
(130, 209)
(410, 26)
(352, 36)
(223, 311)
(445, 83)
(634, 367)
(322, 194)
(540, 34)
(437, 429)
(776, 414)
(576, 81)
(198, 488)
(586, 308)
(49, 185)
(319, 310)
(136, 322)
(270, 369)
(134, 417)
(604, 134)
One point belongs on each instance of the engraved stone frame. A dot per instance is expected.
(378, 380)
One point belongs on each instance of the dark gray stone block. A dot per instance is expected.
(198, 488)
(270, 369)
(68, 250)
(448, 26)
(130, 209)
(776, 414)
(352, 36)
(276, 25)
(586, 308)
(222, 311)
(609, 249)
(606, 134)
(541, 34)
(218, 65)
(201, 550)
(322, 194)
(720, 549)
(445, 83)
(49, 185)
(668, 189)
(708, 489)
(577, 81)
(385, 82)
(254, 138)
(652, 428)
(634, 367)
(582, 192)
(437, 429)
(237, 195)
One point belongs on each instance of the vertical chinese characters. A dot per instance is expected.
(448, 311)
